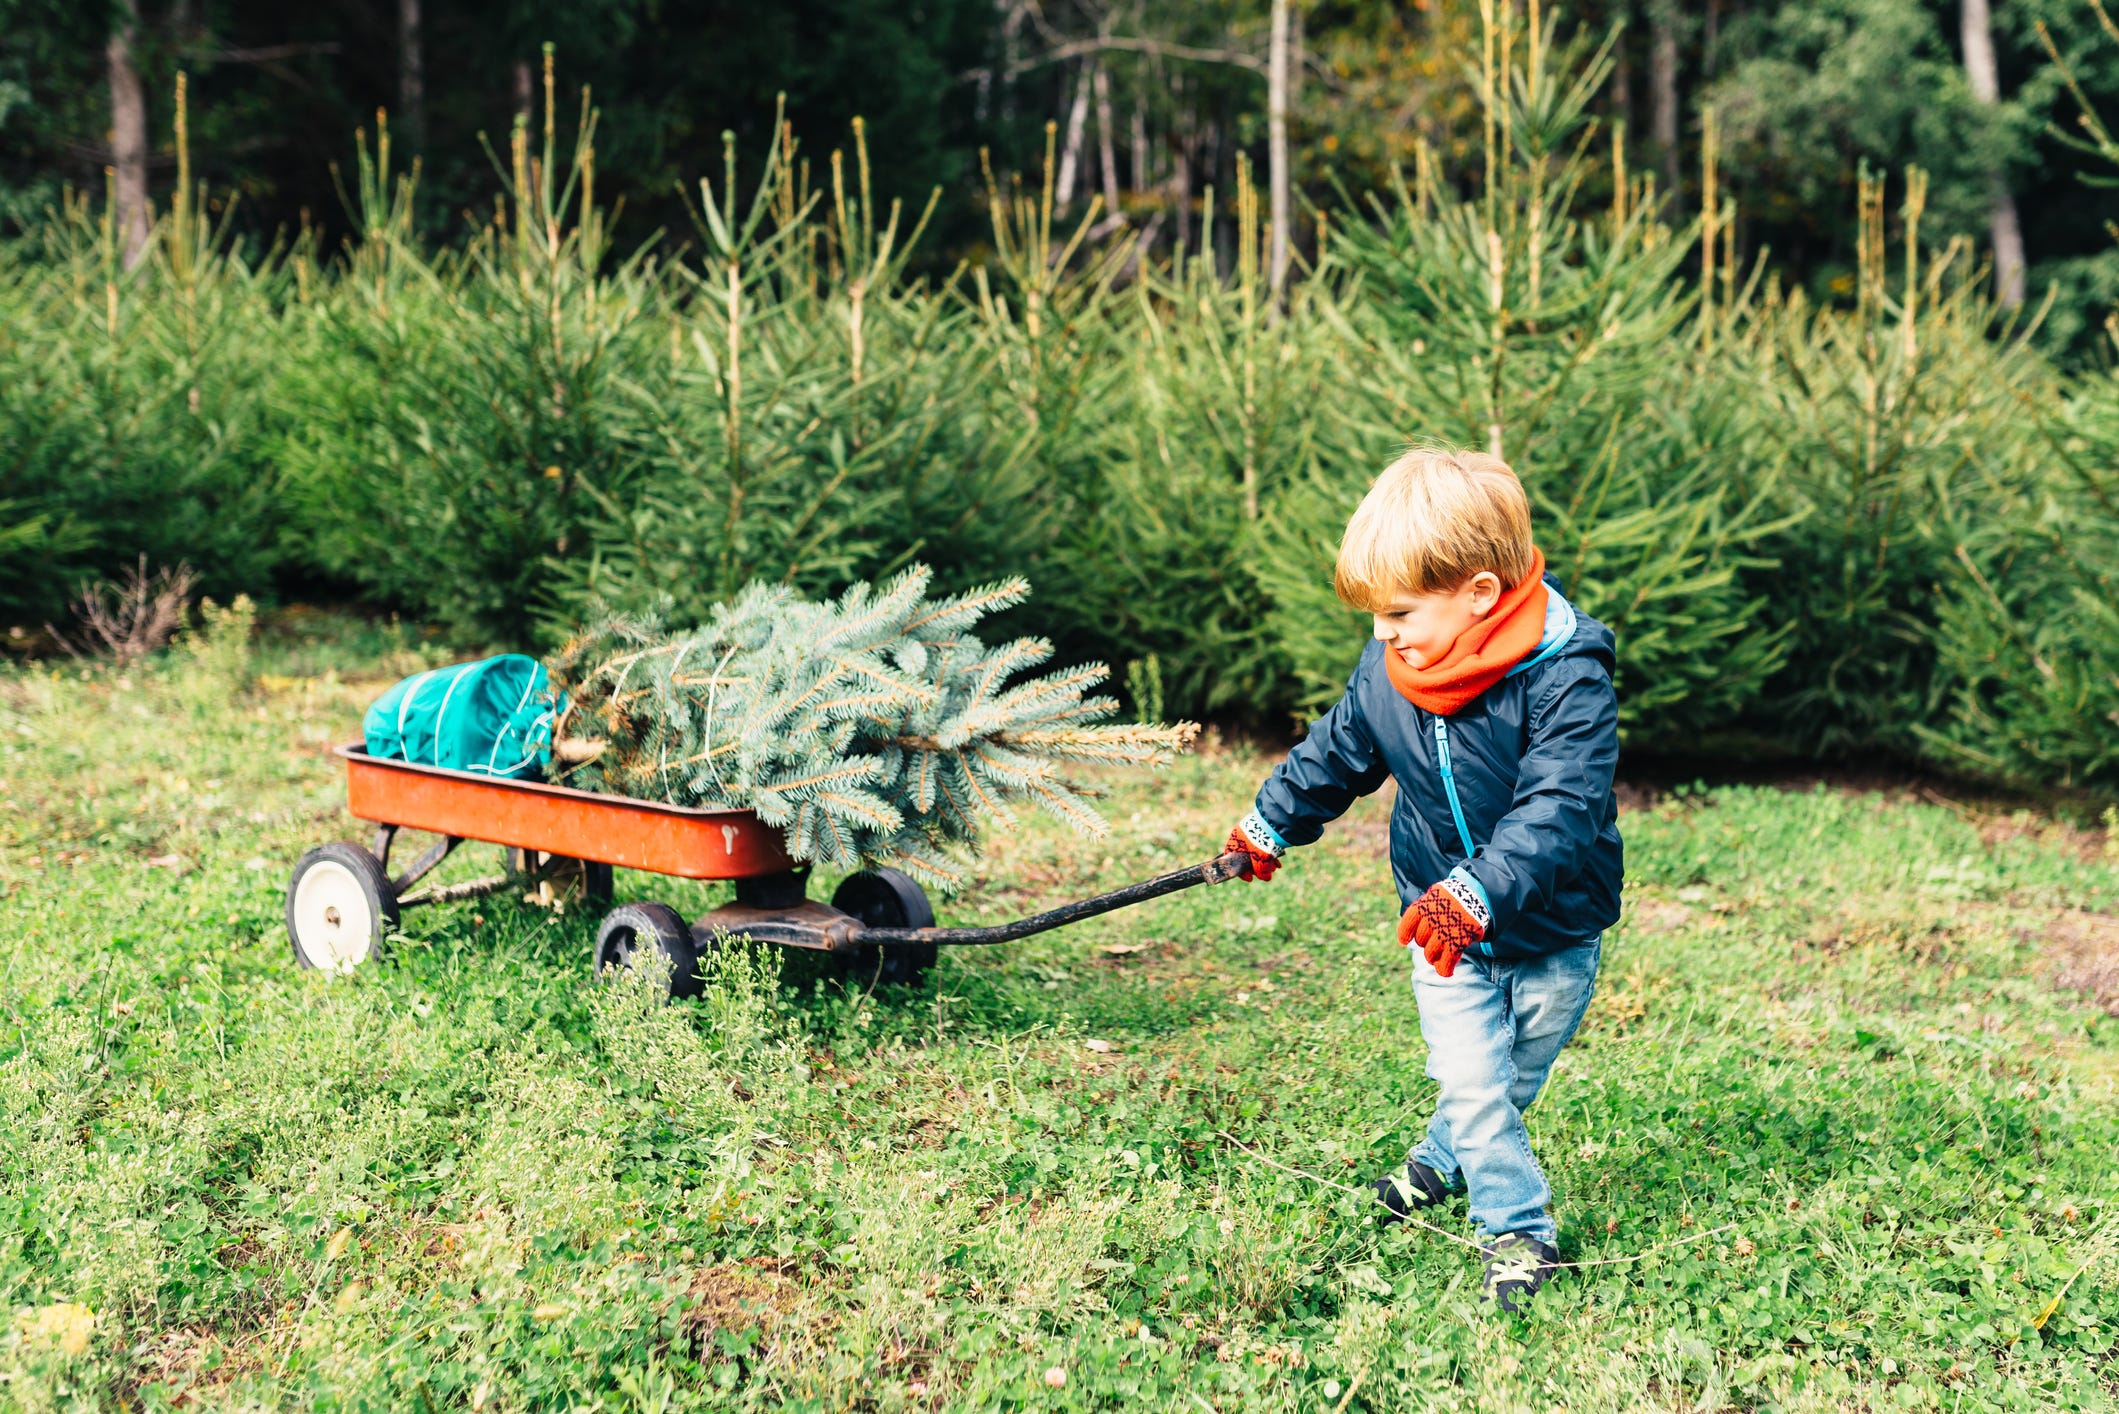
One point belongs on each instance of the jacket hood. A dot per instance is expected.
(1569, 633)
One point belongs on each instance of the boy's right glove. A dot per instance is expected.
(1445, 921)
(1254, 837)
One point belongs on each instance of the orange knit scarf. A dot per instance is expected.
(1482, 654)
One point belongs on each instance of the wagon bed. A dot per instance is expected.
(616, 830)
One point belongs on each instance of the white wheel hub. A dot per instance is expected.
(334, 922)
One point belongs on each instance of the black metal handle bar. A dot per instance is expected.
(1233, 865)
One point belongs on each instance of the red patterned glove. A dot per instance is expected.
(1446, 921)
(1254, 837)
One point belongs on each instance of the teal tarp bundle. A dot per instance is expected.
(493, 717)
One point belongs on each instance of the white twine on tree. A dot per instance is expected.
(1370, 1194)
(669, 714)
(707, 741)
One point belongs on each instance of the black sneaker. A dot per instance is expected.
(1415, 1187)
(1516, 1266)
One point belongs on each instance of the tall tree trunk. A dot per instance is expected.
(1106, 140)
(1182, 128)
(1622, 69)
(1138, 164)
(1976, 23)
(1071, 149)
(411, 76)
(128, 134)
(1663, 93)
(1011, 53)
(1277, 147)
(1218, 167)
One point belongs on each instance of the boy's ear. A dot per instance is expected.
(1486, 592)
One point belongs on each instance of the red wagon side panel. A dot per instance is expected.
(609, 829)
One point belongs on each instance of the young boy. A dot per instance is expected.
(1488, 698)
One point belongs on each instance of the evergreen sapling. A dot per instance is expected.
(873, 728)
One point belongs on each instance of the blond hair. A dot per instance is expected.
(1435, 517)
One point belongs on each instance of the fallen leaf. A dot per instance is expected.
(1102, 1048)
(1123, 949)
(166, 861)
(549, 1311)
(66, 1325)
(336, 1247)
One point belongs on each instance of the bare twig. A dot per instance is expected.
(131, 618)
(1133, 44)
(273, 53)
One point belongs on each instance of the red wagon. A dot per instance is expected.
(343, 902)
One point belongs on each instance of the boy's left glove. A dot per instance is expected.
(1446, 921)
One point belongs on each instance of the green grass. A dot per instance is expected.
(1827, 1095)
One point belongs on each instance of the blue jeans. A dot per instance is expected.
(1493, 1031)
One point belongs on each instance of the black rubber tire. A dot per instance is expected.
(595, 878)
(631, 926)
(331, 871)
(886, 898)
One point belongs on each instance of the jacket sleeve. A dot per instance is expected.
(1331, 768)
(1563, 794)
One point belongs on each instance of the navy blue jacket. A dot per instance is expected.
(1532, 758)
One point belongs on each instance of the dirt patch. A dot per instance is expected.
(1636, 795)
(2085, 844)
(1649, 914)
(1361, 839)
(1135, 954)
(189, 1363)
(2084, 948)
(743, 1296)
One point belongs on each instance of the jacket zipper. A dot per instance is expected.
(1456, 806)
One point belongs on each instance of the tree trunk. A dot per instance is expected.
(128, 135)
(1142, 177)
(1622, 70)
(1277, 148)
(1106, 140)
(1071, 150)
(1976, 23)
(411, 76)
(1182, 128)
(1663, 93)
(1011, 52)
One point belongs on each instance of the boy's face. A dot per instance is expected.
(1421, 627)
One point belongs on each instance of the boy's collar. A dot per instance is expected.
(1559, 629)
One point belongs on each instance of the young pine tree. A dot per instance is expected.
(871, 728)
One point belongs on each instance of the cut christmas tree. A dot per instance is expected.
(872, 729)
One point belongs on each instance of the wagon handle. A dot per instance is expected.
(1233, 865)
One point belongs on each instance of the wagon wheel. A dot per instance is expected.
(886, 898)
(630, 928)
(340, 907)
(580, 883)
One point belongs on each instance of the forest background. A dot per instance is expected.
(1794, 317)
